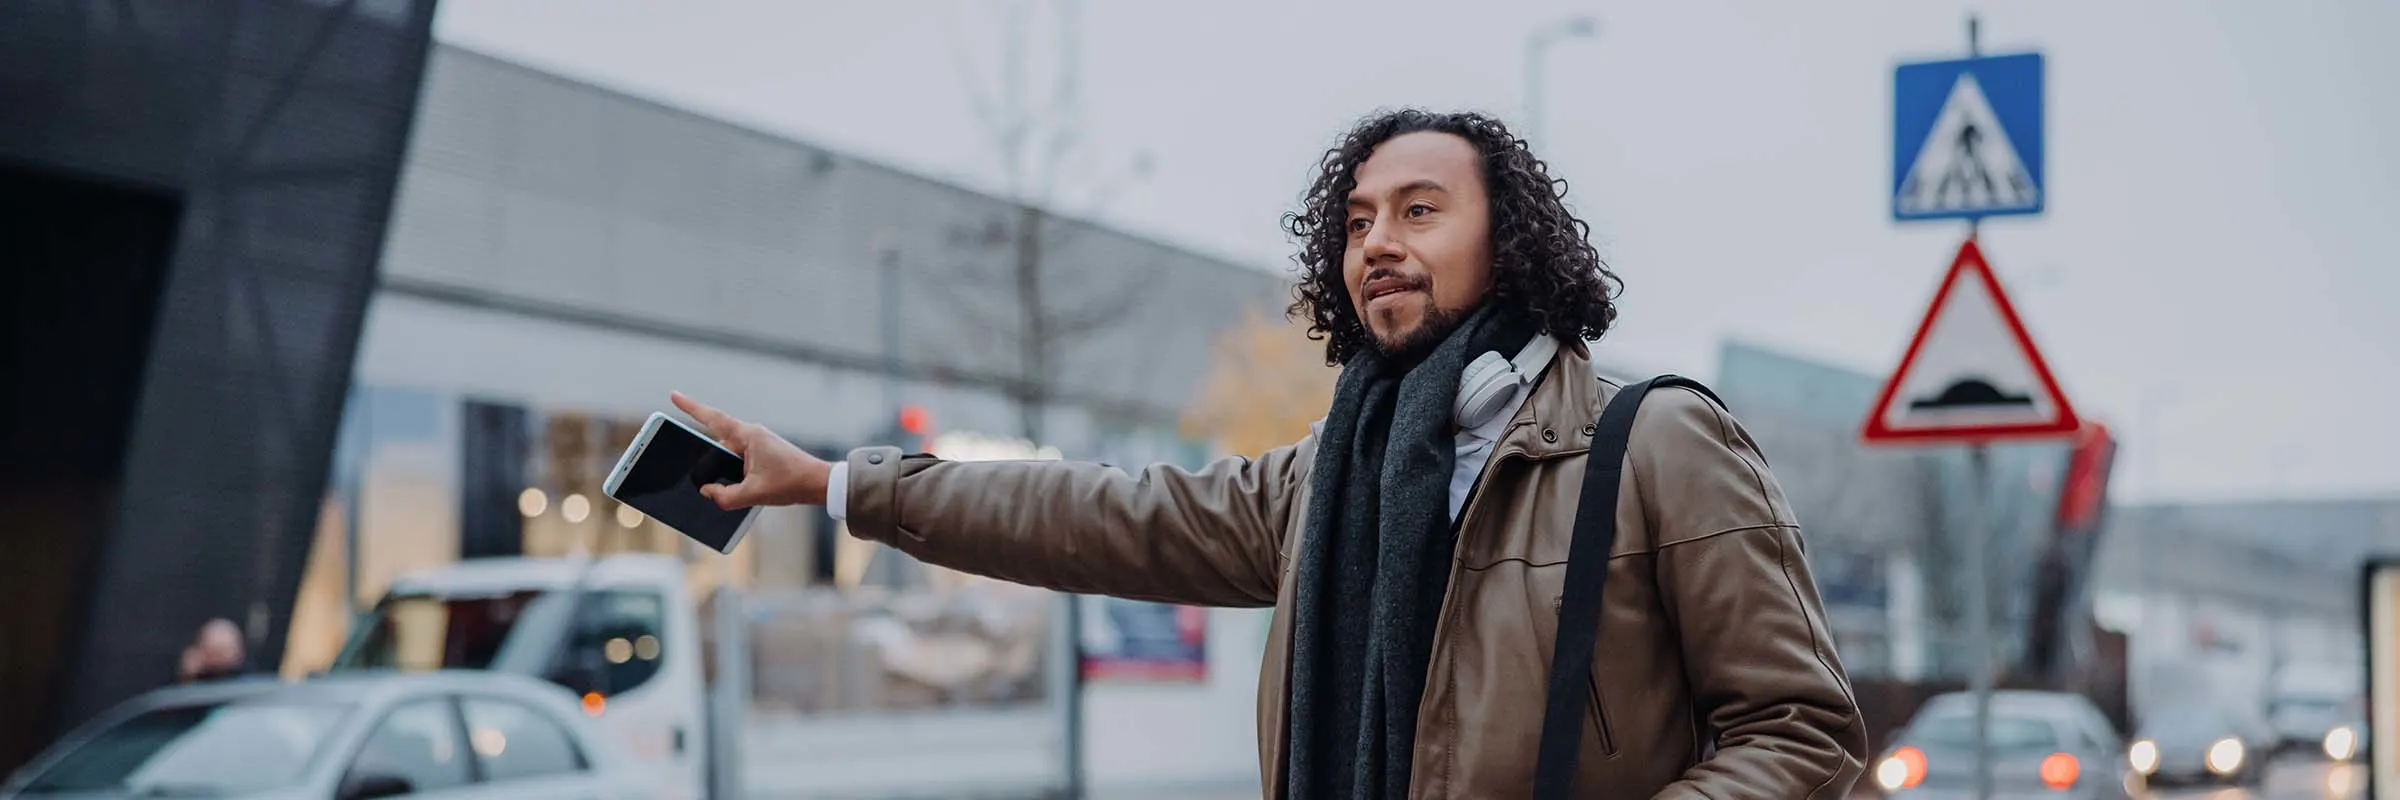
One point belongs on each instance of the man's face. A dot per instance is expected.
(1420, 250)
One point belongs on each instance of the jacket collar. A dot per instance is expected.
(1558, 420)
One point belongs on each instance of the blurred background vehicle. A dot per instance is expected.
(2201, 742)
(462, 735)
(2047, 744)
(2308, 702)
(618, 633)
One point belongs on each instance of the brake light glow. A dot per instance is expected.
(1904, 769)
(2060, 770)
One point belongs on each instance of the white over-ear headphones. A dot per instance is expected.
(1490, 379)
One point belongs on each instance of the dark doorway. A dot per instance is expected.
(81, 262)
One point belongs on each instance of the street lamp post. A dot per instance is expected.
(1537, 45)
(2149, 402)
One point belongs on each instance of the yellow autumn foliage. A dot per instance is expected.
(1267, 381)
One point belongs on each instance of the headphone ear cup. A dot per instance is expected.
(1482, 388)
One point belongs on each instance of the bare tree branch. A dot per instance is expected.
(1112, 307)
(1008, 299)
(975, 308)
(987, 110)
(954, 277)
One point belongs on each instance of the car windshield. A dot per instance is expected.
(222, 748)
(426, 632)
(2007, 732)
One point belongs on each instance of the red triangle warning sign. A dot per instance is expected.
(1971, 374)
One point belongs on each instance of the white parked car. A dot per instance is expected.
(621, 633)
(438, 736)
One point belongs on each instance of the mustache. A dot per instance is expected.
(1417, 282)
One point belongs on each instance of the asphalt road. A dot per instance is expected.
(2295, 779)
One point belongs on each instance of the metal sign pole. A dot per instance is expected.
(1979, 460)
(1967, 144)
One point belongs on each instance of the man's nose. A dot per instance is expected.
(1381, 245)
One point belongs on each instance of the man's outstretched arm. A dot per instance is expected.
(1210, 537)
(1207, 537)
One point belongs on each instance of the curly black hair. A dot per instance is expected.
(1541, 263)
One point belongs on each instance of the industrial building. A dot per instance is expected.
(562, 255)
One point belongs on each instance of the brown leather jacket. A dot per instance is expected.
(1712, 634)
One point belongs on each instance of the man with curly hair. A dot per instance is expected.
(1414, 545)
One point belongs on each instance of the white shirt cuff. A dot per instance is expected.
(837, 491)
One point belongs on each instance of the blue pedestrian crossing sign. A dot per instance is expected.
(1967, 138)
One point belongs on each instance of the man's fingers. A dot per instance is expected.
(717, 423)
(730, 497)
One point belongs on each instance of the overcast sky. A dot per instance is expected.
(2220, 213)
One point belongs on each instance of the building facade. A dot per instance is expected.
(562, 256)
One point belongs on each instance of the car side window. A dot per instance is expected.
(616, 643)
(417, 743)
(514, 741)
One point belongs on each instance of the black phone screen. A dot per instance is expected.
(665, 479)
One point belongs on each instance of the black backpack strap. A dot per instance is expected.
(1587, 577)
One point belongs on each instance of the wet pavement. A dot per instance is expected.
(2287, 779)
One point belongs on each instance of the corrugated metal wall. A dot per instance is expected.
(539, 195)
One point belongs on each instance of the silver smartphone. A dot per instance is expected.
(661, 473)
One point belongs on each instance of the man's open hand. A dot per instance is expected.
(774, 472)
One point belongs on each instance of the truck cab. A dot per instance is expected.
(620, 631)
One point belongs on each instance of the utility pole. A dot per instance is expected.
(887, 258)
(1034, 344)
(2149, 402)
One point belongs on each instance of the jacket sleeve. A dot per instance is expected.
(1757, 652)
(1210, 537)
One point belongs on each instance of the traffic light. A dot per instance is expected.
(913, 429)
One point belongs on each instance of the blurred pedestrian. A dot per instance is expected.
(1415, 544)
(215, 654)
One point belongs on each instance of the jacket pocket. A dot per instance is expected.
(1599, 711)
(1593, 706)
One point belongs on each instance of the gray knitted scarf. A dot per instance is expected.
(1374, 562)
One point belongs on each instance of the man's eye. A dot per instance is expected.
(1419, 210)
(1358, 225)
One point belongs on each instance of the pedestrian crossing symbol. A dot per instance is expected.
(1967, 138)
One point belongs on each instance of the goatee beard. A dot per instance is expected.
(1419, 342)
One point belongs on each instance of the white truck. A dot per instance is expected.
(621, 632)
(665, 673)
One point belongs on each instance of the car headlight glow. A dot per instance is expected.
(2144, 755)
(1904, 769)
(1891, 774)
(2341, 743)
(2225, 756)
